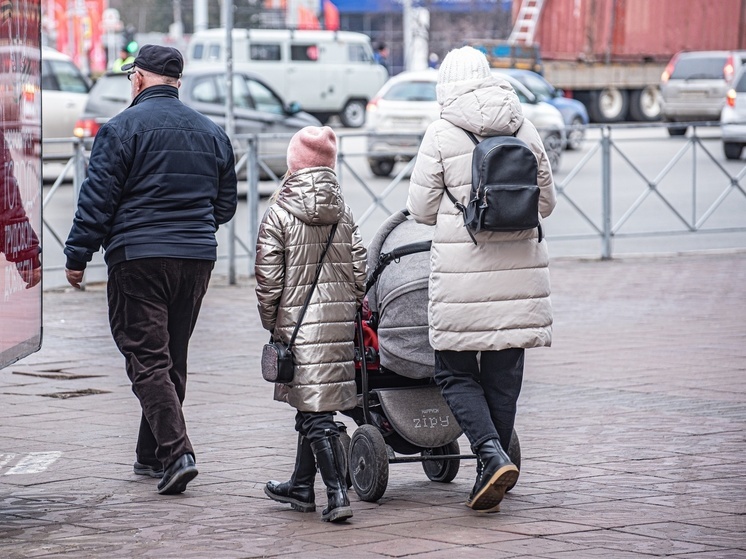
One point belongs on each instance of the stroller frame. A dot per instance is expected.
(368, 452)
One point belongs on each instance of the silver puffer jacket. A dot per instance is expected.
(291, 238)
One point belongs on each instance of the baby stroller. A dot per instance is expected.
(400, 410)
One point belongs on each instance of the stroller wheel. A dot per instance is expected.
(344, 438)
(368, 463)
(442, 471)
(514, 452)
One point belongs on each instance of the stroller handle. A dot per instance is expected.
(387, 258)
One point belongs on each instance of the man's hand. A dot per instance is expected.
(74, 277)
(32, 277)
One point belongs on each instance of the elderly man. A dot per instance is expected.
(161, 180)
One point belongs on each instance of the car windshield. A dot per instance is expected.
(540, 88)
(112, 88)
(700, 68)
(411, 91)
(68, 76)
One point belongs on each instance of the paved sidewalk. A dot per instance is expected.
(632, 430)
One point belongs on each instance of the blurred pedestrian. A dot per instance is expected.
(161, 180)
(381, 55)
(488, 301)
(292, 236)
(124, 58)
(19, 243)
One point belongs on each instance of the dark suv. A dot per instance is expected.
(694, 84)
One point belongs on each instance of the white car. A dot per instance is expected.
(64, 92)
(733, 118)
(406, 105)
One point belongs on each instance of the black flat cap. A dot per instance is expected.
(165, 61)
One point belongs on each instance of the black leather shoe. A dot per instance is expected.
(177, 475)
(148, 470)
(497, 473)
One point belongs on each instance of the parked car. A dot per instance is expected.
(733, 117)
(64, 93)
(406, 105)
(573, 111)
(694, 85)
(257, 108)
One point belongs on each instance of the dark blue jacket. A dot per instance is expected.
(161, 179)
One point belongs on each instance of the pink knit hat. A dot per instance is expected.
(312, 146)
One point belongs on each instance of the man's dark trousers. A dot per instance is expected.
(153, 307)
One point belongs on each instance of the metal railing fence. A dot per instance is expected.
(599, 195)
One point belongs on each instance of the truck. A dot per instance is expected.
(610, 54)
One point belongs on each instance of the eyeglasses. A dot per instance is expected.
(129, 75)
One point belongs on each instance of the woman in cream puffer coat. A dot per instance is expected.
(491, 298)
(292, 237)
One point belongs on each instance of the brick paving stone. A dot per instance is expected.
(631, 430)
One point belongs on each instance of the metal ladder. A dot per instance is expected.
(525, 24)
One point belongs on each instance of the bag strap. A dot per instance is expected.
(459, 206)
(313, 286)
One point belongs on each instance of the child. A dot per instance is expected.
(292, 236)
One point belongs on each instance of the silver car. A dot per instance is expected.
(694, 84)
(733, 118)
(401, 111)
(257, 109)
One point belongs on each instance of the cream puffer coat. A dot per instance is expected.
(291, 238)
(493, 295)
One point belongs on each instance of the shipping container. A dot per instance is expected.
(610, 54)
(637, 30)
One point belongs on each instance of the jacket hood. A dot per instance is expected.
(313, 196)
(486, 107)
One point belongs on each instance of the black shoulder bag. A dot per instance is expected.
(277, 358)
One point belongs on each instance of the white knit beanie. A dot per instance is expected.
(459, 65)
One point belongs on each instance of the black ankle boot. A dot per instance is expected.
(333, 467)
(495, 473)
(298, 491)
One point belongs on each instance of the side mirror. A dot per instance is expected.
(293, 108)
(559, 92)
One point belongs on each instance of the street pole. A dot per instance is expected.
(200, 15)
(230, 124)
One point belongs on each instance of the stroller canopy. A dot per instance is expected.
(400, 297)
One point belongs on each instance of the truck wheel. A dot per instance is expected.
(609, 105)
(645, 104)
(732, 150)
(353, 115)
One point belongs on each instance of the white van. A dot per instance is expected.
(327, 72)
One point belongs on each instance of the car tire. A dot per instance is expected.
(381, 167)
(353, 115)
(553, 146)
(677, 131)
(645, 104)
(575, 133)
(608, 105)
(732, 150)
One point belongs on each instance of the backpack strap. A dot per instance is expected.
(460, 207)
